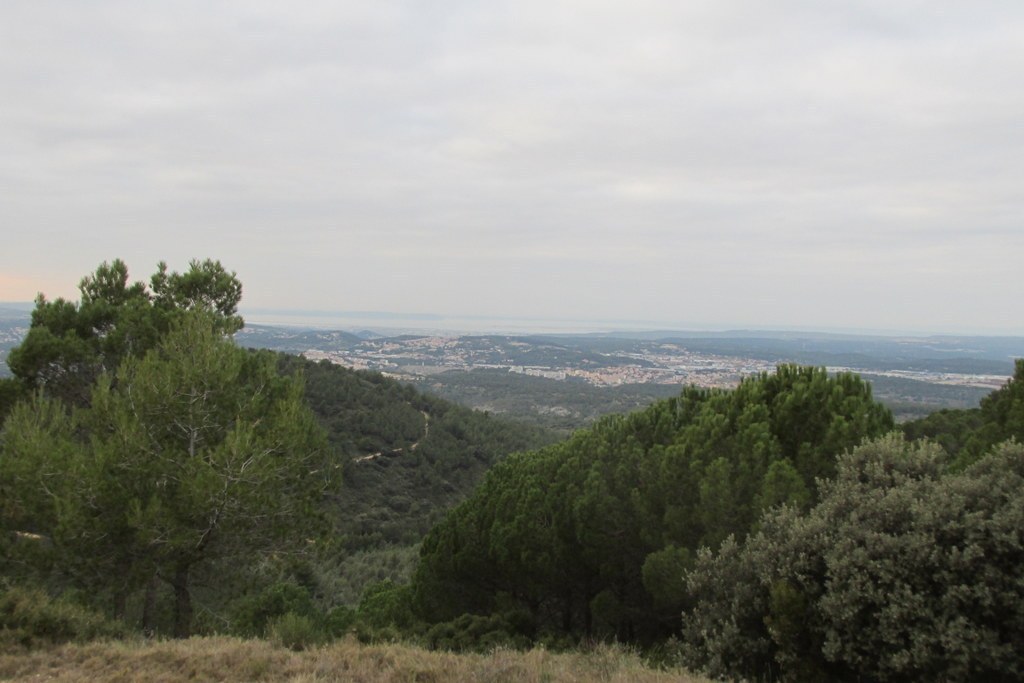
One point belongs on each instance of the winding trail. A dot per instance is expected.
(412, 447)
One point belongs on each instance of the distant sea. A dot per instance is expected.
(389, 323)
(399, 323)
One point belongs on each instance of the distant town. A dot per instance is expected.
(914, 375)
(666, 364)
(638, 362)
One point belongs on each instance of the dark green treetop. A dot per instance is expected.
(70, 344)
(582, 534)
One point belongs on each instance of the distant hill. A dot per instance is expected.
(294, 340)
(566, 381)
(407, 456)
(553, 404)
(968, 354)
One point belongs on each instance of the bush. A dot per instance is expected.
(935, 566)
(474, 633)
(338, 621)
(255, 613)
(29, 617)
(386, 604)
(294, 631)
(905, 571)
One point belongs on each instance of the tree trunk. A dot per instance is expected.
(120, 603)
(182, 603)
(149, 608)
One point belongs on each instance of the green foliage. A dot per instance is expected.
(295, 631)
(154, 459)
(954, 430)
(431, 454)
(1002, 412)
(386, 604)
(338, 621)
(196, 451)
(559, 405)
(474, 633)
(343, 577)
(724, 630)
(905, 570)
(255, 612)
(585, 535)
(935, 563)
(662, 575)
(783, 485)
(11, 391)
(969, 434)
(29, 617)
(69, 345)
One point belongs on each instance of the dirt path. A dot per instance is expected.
(412, 447)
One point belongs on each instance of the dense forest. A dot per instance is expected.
(144, 379)
(781, 530)
(588, 536)
(157, 478)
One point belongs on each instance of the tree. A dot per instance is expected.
(1003, 412)
(905, 570)
(968, 434)
(582, 534)
(11, 391)
(69, 345)
(194, 452)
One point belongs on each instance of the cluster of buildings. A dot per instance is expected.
(662, 364)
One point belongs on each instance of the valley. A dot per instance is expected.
(566, 381)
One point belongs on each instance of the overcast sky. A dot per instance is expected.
(818, 164)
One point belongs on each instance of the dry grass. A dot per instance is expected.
(231, 659)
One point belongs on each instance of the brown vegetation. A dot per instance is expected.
(231, 659)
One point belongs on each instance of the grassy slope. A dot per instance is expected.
(229, 659)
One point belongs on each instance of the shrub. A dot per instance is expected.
(294, 631)
(29, 617)
(254, 614)
(386, 604)
(474, 633)
(338, 621)
(905, 571)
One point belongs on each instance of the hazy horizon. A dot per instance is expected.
(793, 165)
(498, 324)
(398, 322)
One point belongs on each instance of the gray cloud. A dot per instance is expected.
(785, 163)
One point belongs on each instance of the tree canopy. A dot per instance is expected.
(967, 435)
(586, 535)
(906, 570)
(70, 344)
(182, 449)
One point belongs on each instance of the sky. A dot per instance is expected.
(815, 164)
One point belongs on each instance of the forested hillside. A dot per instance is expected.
(910, 567)
(553, 404)
(155, 477)
(406, 456)
(589, 537)
(149, 465)
(777, 531)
